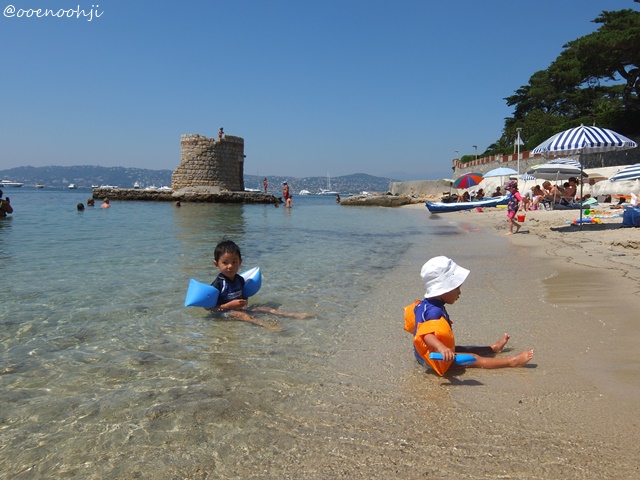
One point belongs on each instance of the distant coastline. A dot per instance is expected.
(86, 176)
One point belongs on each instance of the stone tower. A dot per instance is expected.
(207, 162)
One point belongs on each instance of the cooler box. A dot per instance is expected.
(631, 216)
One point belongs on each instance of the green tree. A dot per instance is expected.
(595, 80)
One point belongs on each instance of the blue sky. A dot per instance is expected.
(314, 87)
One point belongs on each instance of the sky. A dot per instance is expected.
(315, 88)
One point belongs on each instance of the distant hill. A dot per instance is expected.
(88, 175)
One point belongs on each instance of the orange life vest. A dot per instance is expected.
(440, 328)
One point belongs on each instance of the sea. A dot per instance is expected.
(99, 357)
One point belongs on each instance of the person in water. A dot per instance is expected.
(443, 279)
(5, 206)
(286, 194)
(228, 259)
(105, 203)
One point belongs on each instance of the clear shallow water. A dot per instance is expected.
(100, 358)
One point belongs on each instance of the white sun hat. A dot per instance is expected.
(441, 275)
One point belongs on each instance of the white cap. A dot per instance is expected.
(441, 275)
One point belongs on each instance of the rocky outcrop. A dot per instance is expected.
(379, 200)
(203, 194)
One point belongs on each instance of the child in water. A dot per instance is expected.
(227, 258)
(443, 279)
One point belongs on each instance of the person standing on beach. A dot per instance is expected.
(513, 206)
(432, 330)
(5, 206)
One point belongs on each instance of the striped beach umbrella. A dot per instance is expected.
(525, 177)
(566, 161)
(583, 139)
(631, 172)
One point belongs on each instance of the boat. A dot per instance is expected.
(164, 188)
(94, 186)
(442, 207)
(304, 192)
(136, 185)
(39, 185)
(327, 191)
(72, 186)
(9, 183)
(253, 190)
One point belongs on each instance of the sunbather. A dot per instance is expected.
(538, 195)
(552, 193)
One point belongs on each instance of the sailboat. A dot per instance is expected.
(328, 190)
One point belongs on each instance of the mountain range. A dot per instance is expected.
(88, 175)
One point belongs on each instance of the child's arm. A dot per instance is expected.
(448, 354)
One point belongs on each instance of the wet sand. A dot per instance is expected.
(571, 413)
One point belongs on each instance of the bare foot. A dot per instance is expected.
(521, 359)
(509, 233)
(499, 345)
(518, 228)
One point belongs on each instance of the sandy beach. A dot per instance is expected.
(572, 413)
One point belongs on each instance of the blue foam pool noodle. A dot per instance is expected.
(461, 358)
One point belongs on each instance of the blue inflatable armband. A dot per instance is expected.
(201, 295)
(252, 281)
(461, 358)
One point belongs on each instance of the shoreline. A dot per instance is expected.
(570, 413)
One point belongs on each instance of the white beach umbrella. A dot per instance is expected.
(631, 172)
(581, 140)
(555, 171)
(500, 172)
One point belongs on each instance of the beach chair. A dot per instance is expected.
(546, 204)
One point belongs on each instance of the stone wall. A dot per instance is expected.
(207, 162)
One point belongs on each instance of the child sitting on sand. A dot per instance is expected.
(227, 258)
(432, 331)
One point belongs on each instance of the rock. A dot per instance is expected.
(379, 200)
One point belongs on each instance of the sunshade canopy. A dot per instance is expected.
(500, 172)
(468, 180)
(632, 172)
(584, 140)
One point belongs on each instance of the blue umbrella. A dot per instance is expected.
(500, 172)
(631, 172)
